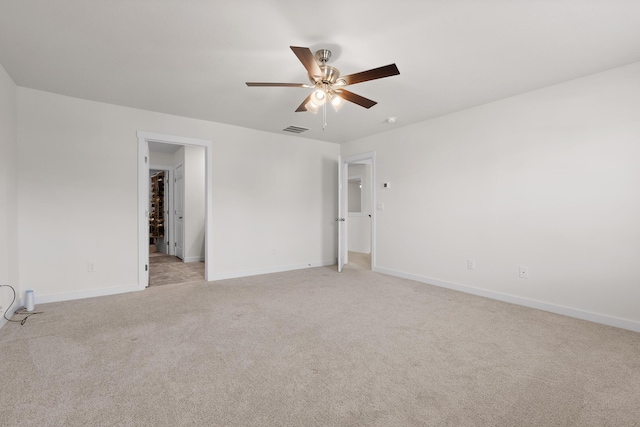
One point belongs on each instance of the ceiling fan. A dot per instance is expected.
(328, 83)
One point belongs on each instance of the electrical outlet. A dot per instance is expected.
(471, 264)
(273, 251)
(91, 268)
(524, 272)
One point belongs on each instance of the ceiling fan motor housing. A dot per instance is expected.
(329, 74)
(323, 56)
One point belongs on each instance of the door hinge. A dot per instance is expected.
(175, 244)
(146, 267)
(146, 159)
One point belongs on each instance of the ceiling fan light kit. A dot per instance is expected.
(328, 83)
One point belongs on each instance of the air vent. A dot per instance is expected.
(295, 129)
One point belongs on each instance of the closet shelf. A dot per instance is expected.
(156, 211)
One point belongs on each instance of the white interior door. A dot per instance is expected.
(146, 196)
(342, 206)
(178, 210)
(168, 218)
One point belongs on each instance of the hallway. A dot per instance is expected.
(166, 269)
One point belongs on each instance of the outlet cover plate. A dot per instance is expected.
(524, 272)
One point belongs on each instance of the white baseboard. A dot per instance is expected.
(67, 296)
(557, 309)
(256, 272)
(16, 304)
(193, 259)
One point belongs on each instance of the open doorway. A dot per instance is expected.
(176, 213)
(357, 247)
(359, 213)
(174, 231)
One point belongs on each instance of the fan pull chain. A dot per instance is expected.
(324, 116)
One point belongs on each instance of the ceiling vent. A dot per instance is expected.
(295, 129)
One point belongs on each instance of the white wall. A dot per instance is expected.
(194, 203)
(77, 172)
(8, 191)
(359, 225)
(160, 158)
(549, 180)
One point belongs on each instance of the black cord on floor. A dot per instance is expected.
(18, 311)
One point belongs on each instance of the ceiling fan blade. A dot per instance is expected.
(260, 84)
(356, 99)
(308, 60)
(376, 73)
(302, 106)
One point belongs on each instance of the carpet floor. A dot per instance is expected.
(313, 348)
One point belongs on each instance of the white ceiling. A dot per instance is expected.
(192, 58)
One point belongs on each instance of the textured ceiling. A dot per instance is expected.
(191, 58)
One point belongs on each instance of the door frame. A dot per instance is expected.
(345, 161)
(143, 200)
(173, 210)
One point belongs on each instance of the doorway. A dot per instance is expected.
(357, 215)
(195, 253)
(183, 223)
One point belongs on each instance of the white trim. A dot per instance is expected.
(270, 270)
(194, 259)
(143, 212)
(143, 222)
(171, 247)
(160, 167)
(16, 304)
(91, 293)
(174, 216)
(370, 155)
(526, 302)
(172, 139)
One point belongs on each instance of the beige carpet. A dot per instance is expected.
(313, 348)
